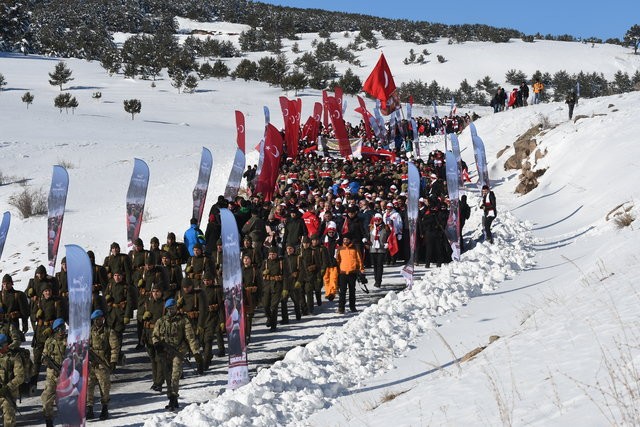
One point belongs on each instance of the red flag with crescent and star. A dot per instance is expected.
(339, 126)
(272, 154)
(291, 115)
(240, 139)
(381, 86)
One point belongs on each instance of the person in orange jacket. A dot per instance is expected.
(350, 266)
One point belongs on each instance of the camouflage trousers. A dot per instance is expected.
(48, 396)
(100, 376)
(173, 365)
(157, 369)
(9, 412)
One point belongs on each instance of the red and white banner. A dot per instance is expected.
(339, 126)
(291, 114)
(202, 185)
(240, 138)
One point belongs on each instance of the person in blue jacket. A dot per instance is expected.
(193, 235)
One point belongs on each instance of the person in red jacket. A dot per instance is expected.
(311, 220)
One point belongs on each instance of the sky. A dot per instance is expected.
(579, 19)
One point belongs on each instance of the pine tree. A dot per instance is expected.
(177, 78)
(190, 83)
(3, 82)
(62, 101)
(294, 81)
(132, 106)
(73, 104)
(219, 69)
(515, 77)
(350, 83)
(632, 37)
(61, 75)
(27, 98)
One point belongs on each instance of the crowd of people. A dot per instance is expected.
(328, 221)
(518, 97)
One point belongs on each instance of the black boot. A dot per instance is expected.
(298, 313)
(285, 314)
(274, 319)
(319, 298)
(175, 403)
(171, 403)
(48, 422)
(104, 414)
(89, 414)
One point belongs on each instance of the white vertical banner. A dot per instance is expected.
(233, 303)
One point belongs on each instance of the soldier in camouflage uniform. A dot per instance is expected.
(272, 275)
(192, 304)
(214, 323)
(102, 357)
(291, 285)
(252, 291)
(172, 338)
(197, 265)
(15, 304)
(48, 309)
(137, 257)
(54, 348)
(12, 375)
(308, 273)
(322, 263)
(153, 309)
(9, 329)
(216, 260)
(118, 296)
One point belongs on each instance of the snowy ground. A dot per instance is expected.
(557, 287)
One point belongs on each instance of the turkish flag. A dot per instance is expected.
(291, 115)
(392, 242)
(380, 82)
(240, 139)
(366, 116)
(271, 163)
(339, 127)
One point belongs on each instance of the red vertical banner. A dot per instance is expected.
(366, 117)
(339, 127)
(325, 115)
(240, 138)
(271, 163)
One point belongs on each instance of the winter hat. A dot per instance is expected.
(7, 278)
(41, 270)
(331, 225)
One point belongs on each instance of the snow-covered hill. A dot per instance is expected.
(557, 287)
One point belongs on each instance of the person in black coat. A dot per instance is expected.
(488, 205)
(570, 100)
(465, 213)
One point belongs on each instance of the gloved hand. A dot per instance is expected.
(140, 283)
(147, 315)
(126, 320)
(364, 240)
(285, 293)
(180, 302)
(39, 313)
(199, 330)
(199, 363)
(189, 269)
(297, 285)
(31, 293)
(47, 332)
(109, 299)
(112, 365)
(222, 327)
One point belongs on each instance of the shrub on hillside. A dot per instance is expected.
(29, 202)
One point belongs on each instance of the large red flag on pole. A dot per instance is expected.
(381, 86)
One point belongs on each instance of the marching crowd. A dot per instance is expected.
(329, 219)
